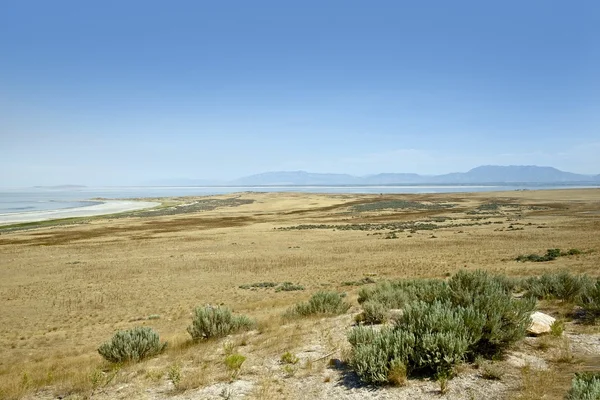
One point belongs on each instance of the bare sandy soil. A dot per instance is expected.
(65, 289)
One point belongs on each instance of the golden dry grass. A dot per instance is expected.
(64, 290)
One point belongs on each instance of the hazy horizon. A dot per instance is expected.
(125, 93)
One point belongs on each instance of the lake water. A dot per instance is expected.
(20, 200)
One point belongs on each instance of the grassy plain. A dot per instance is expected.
(65, 289)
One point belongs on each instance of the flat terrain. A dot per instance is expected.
(66, 288)
(106, 207)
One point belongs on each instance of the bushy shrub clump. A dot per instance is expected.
(443, 335)
(505, 318)
(590, 301)
(321, 303)
(132, 345)
(210, 322)
(377, 355)
(473, 314)
(561, 286)
(374, 312)
(387, 295)
(585, 386)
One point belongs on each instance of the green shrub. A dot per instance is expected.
(557, 328)
(262, 285)
(551, 254)
(377, 354)
(174, 374)
(132, 345)
(585, 386)
(562, 286)
(473, 314)
(442, 336)
(505, 318)
(362, 335)
(465, 286)
(590, 301)
(398, 294)
(233, 363)
(374, 312)
(321, 303)
(210, 322)
(288, 287)
(289, 358)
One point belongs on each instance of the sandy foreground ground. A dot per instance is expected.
(107, 207)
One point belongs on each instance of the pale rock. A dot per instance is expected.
(540, 323)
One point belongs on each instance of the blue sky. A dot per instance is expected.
(127, 92)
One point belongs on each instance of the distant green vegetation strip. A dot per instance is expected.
(400, 205)
(40, 224)
(192, 206)
(279, 287)
(394, 226)
(551, 254)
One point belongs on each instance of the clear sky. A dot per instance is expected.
(127, 92)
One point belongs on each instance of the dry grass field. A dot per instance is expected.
(65, 289)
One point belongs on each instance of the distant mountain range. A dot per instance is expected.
(487, 174)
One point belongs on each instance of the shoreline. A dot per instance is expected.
(105, 207)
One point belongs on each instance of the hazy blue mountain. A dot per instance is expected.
(512, 174)
(391, 178)
(483, 174)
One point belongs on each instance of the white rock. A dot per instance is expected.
(540, 323)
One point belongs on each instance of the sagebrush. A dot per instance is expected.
(585, 386)
(321, 303)
(211, 322)
(132, 345)
(441, 324)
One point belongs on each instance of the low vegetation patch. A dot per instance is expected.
(194, 206)
(233, 363)
(441, 324)
(258, 285)
(132, 345)
(551, 255)
(589, 301)
(288, 287)
(212, 322)
(400, 205)
(559, 286)
(289, 358)
(279, 287)
(364, 281)
(412, 226)
(581, 290)
(321, 303)
(585, 386)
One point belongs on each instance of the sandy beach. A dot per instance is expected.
(107, 207)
